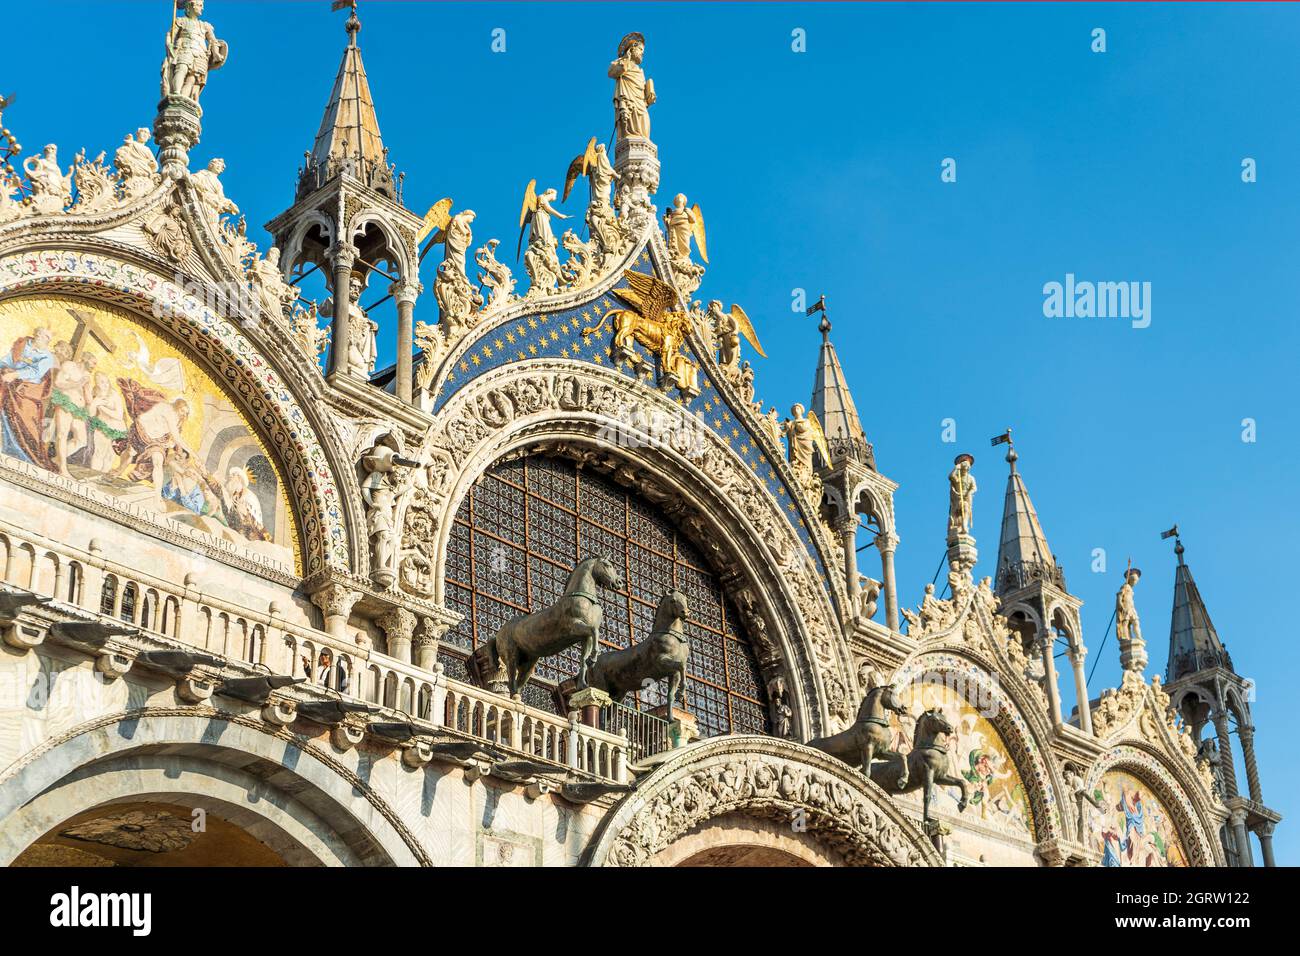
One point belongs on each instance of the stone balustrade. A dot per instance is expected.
(180, 613)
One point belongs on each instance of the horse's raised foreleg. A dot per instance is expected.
(906, 760)
(948, 780)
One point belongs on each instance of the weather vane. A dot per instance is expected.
(824, 326)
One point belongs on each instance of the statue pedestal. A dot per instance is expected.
(176, 130)
(636, 159)
(961, 552)
(588, 702)
(682, 727)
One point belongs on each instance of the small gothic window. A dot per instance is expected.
(524, 526)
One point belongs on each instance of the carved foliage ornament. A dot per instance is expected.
(839, 812)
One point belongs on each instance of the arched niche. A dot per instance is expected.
(235, 354)
(761, 785)
(1145, 818)
(703, 486)
(987, 717)
(312, 808)
(129, 419)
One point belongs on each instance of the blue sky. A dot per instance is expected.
(821, 170)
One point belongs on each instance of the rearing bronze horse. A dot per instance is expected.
(574, 619)
(927, 763)
(868, 738)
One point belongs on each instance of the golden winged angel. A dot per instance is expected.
(728, 327)
(682, 225)
(654, 323)
(804, 433)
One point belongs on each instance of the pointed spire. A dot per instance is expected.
(833, 402)
(1193, 642)
(348, 140)
(1023, 552)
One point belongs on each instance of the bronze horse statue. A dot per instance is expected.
(662, 654)
(574, 619)
(868, 739)
(926, 764)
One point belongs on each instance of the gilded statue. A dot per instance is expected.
(653, 323)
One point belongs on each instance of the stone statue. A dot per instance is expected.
(634, 93)
(136, 165)
(51, 188)
(10, 207)
(496, 275)
(308, 331)
(1128, 629)
(868, 596)
(388, 477)
(457, 298)
(663, 653)
(212, 195)
(359, 359)
(868, 739)
(192, 50)
(961, 492)
(540, 260)
(1079, 789)
(274, 294)
(515, 649)
(778, 700)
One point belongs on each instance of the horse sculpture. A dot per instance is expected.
(574, 619)
(662, 654)
(926, 764)
(868, 739)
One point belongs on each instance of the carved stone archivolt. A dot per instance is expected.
(766, 779)
(704, 486)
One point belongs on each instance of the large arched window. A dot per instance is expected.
(518, 534)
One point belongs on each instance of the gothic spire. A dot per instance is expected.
(833, 403)
(1193, 643)
(1023, 552)
(348, 140)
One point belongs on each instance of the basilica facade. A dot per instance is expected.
(553, 589)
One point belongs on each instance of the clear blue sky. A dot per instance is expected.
(821, 170)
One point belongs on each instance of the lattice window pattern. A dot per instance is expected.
(523, 527)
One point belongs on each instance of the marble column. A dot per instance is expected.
(1246, 735)
(1077, 657)
(399, 629)
(1241, 838)
(1226, 766)
(343, 259)
(887, 542)
(405, 292)
(1049, 665)
(1265, 833)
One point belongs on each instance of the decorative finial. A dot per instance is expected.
(353, 26)
(1178, 543)
(1005, 439)
(824, 326)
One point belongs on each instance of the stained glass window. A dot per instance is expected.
(524, 526)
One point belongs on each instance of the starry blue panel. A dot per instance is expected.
(559, 335)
